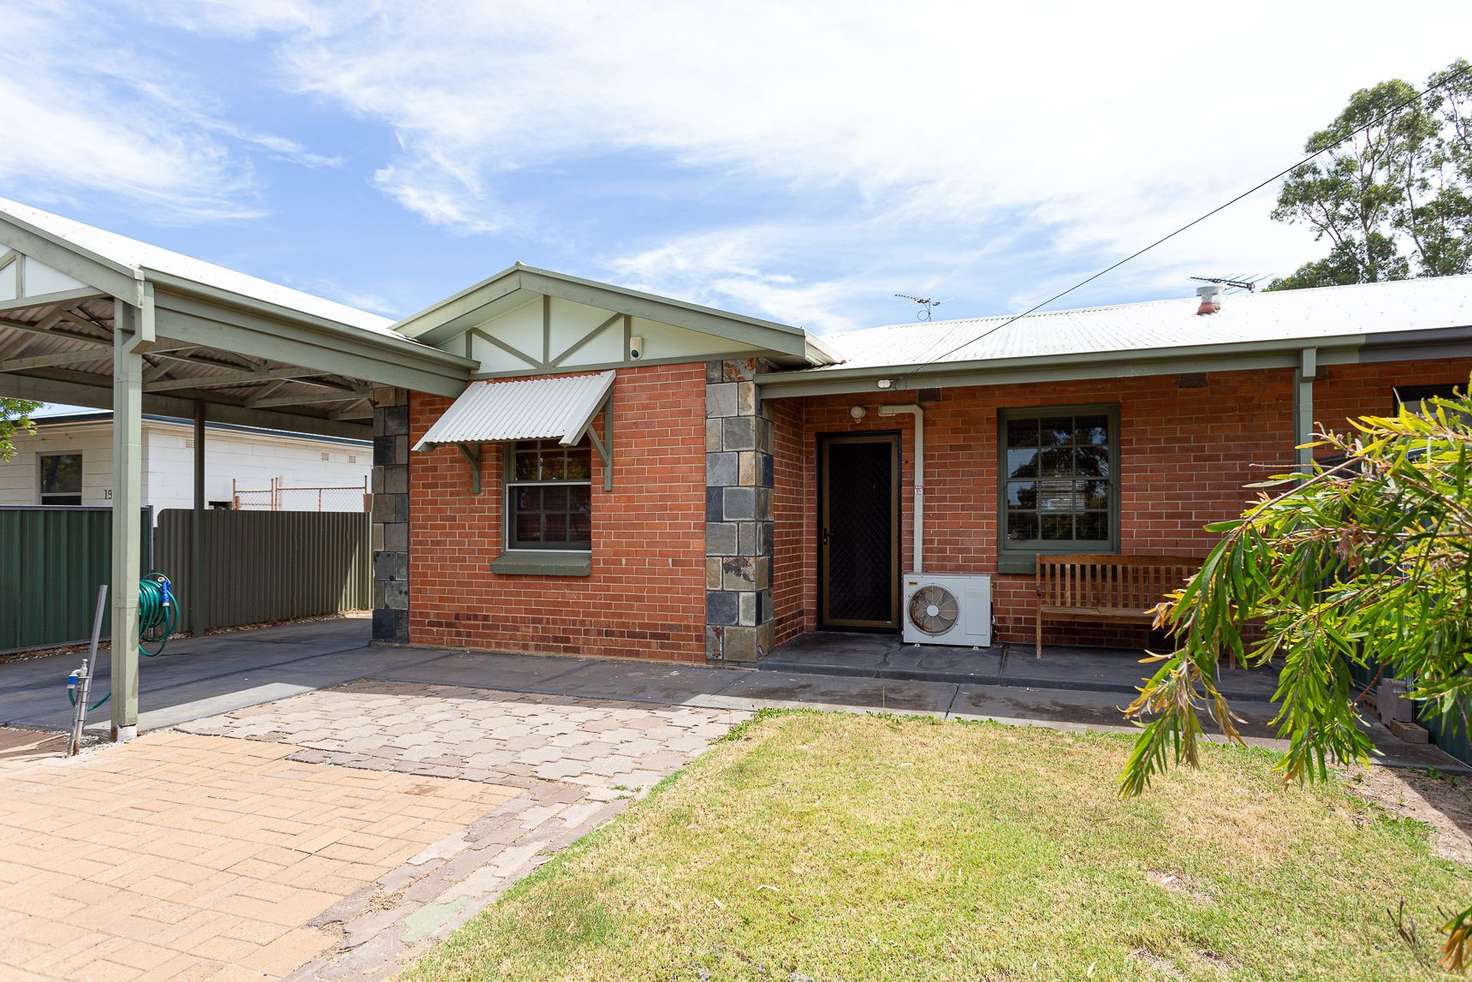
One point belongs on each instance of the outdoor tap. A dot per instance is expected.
(77, 675)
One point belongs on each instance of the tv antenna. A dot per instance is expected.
(1231, 282)
(927, 304)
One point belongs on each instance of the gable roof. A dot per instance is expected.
(519, 282)
(130, 256)
(1342, 314)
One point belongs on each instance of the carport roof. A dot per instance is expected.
(258, 353)
(129, 256)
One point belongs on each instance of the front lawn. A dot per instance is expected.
(837, 846)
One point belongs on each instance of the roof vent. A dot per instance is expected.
(1211, 299)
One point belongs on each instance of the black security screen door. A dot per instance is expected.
(858, 531)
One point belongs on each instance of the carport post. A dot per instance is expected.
(127, 485)
(197, 621)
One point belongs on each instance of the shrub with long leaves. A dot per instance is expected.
(1362, 561)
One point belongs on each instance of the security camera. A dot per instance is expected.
(636, 349)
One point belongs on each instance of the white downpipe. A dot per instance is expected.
(919, 415)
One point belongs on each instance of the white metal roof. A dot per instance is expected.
(136, 255)
(522, 409)
(1370, 308)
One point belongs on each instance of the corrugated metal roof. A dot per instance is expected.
(1370, 308)
(140, 255)
(524, 409)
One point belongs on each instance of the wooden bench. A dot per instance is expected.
(1116, 589)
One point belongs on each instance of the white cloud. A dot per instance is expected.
(1099, 126)
(85, 109)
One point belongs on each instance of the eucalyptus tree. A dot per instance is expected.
(1391, 193)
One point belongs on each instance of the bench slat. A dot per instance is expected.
(1105, 587)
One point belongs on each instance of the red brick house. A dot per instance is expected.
(634, 476)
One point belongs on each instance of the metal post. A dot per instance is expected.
(89, 669)
(127, 501)
(197, 586)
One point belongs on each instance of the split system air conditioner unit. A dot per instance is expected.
(948, 608)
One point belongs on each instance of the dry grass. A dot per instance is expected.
(835, 846)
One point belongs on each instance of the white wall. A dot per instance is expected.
(20, 479)
(251, 459)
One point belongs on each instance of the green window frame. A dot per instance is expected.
(1057, 483)
(547, 492)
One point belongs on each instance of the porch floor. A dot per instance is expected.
(1061, 667)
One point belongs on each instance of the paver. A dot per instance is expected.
(327, 835)
(200, 884)
(576, 762)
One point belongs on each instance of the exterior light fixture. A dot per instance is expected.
(858, 412)
(884, 383)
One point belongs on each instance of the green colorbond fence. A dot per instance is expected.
(52, 560)
(270, 565)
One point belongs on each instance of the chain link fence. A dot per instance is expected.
(281, 497)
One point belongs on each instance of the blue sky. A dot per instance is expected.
(798, 162)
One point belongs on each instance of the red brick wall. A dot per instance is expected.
(791, 503)
(646, 595)
(1185, 454)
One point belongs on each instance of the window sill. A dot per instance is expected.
(1017, 564)
(532, 563)
(1026, 562)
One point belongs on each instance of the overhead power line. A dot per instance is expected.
(1198, 220)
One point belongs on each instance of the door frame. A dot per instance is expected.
(825, 441)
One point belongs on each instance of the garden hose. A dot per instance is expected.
(158, 619)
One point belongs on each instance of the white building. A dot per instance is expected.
(69, 462)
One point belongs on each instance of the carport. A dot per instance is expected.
(91, 318)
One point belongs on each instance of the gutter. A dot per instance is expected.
(1291, 345)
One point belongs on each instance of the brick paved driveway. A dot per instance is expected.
(328, 835)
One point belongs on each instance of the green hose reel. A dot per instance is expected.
(158, 613)
(158, 619)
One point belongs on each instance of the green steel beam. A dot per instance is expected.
(97, 395)
(381, 361)
(127, 496)
(232, 378)
(276, 314)
(47, 299)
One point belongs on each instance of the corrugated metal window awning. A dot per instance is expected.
(561, 408)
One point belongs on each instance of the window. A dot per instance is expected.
(1417, 398)
(61, 479)
(549, 496)
(1059, 482)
